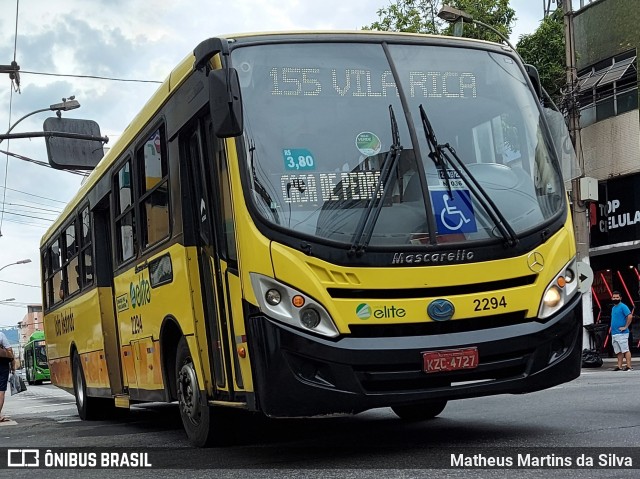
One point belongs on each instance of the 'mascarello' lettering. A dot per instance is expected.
(423, 258)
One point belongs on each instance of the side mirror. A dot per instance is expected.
(225, 102)
(535, 79)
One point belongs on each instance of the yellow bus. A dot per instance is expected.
(308, 223)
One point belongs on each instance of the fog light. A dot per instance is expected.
(552, 297)
(310, 318)
(569, 276)
(273, 297)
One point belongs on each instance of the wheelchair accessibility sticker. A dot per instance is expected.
(454, 211)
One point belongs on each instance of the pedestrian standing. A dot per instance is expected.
(620, 321)
(6, 366)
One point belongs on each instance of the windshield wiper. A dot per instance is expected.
(367, 222)
(440, 154)
(435, 152)
(259, 188)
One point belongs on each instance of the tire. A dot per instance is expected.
(420, 412)
(197, 419)
(89, 408)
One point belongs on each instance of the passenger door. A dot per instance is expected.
(194, 148)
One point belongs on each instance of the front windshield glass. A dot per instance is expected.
(41, 354)
(318, 132)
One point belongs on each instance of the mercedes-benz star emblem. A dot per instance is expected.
(535, 261)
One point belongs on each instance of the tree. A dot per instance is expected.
(414, 16)
(420, 16)
(496, 13)
(545, 49)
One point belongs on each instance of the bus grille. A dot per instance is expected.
(398, 377)
(433, 292)
(437, 327)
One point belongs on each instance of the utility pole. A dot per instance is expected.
(579, 210)
(546, 5)
(14, 72)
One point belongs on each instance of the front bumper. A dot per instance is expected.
(297, 374)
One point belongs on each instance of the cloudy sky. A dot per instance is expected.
(124, 39)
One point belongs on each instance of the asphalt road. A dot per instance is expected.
(600, 410)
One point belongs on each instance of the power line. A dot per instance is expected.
(15, 77)
(6, 164)
(35, 202)
(33, 207)
(27, 213)
(27, 216)
(20, 325)
(19, 284)
(14, 304)
(31, 194)
(25, 223)
(38, 162)
(94, 77)
(15, 41)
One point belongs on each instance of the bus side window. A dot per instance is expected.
(57, 283)
(127, 243)
(71, 259)
(46, 273)
(154, 189)
(86, 253)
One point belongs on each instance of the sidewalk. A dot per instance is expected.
(609, 363)
(44, 399)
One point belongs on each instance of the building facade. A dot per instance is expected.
(606, 40)
(32, 321)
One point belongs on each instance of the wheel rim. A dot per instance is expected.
(80, 385)
(188, 393)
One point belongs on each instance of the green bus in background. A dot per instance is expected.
(35, 359)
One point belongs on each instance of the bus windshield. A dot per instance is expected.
(40, 354)
(319, 132)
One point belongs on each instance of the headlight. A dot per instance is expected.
(563, 287)
(290, 306)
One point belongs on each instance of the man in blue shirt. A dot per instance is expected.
(620, 320)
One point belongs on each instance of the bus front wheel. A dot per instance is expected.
(420, 412)
(88, 407)
(196, 415)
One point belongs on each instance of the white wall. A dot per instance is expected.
(611, 147)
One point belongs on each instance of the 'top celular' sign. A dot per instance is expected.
(616, 217)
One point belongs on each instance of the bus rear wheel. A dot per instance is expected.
(196, 414)
(420, 412)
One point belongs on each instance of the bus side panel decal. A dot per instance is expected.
(149, 372)
(95, 369)
(61, 372)
(128, 366)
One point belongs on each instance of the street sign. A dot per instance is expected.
(585, 276)
(73, 153)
